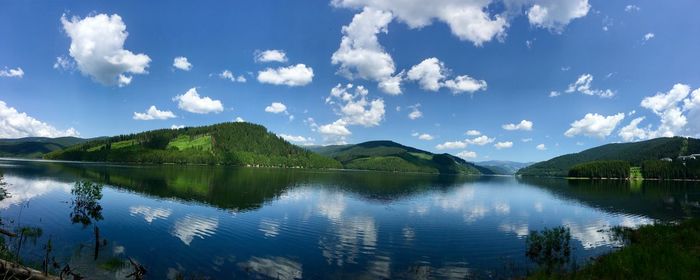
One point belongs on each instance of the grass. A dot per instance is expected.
(422, 156)
(661, 251)
(123, 144)
(184, 142)
(96, 148)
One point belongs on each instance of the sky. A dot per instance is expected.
(522, 80)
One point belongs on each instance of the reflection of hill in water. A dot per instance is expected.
(663, 200)
(234, 188)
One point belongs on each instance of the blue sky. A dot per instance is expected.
(470, 64)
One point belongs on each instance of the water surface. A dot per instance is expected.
(224, 222)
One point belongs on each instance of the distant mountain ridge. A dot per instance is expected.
(36, 147)
(504, 167)
(391, 156)
(635, 153)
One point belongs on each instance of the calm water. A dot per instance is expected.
(235, 223)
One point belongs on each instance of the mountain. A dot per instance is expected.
(504, 167)
(392, 156)
(35, 147)
(242, 144)
(635, 153)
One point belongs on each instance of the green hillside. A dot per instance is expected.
(391, 156)
(241, 144)
(635, 153)
(35, 147)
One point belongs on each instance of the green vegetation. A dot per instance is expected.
(550, 249)
(661, 251)
(240, 144)
(658, 169)
(634, 153)
(391, 156)
(35, 147)
(636, 173)
(601, 169)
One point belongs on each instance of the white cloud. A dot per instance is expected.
(193, 103)
(649, 36)
(177, 126)
(541, 147)
(154, 114)
(354, 108)
(556, 14)
(429, 74)
(297, 139)
(632, 132)
(673, 108)
(337, 128)
(361, 56)
(296, 75)
(451, 145)
(270, 56)
(503, 145)
(239, 119)
(14, 124)
(524, 125)
(97, 46)
(425, 137)
(662, 102)
(473, 132)
(526, 140)
(228, 75)
(276, 108)
(595, 125)
(632, 8)
(480, 141)
(415, 112)
(12, 73)
(63, 63)
(554, 93)
(464, 83)
(467, 154)
(583, 85)
(181, 63)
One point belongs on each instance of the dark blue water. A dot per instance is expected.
(223, 222)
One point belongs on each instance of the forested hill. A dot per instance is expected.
(391, 156)
(635, 153)
(35, 147)
(242, 144)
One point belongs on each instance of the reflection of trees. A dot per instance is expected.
(86, 208)
(663, 200)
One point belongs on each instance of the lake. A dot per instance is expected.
(225, 222)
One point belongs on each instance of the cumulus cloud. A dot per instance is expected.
(228, 75)
(353, 106)
(649, 36)
(415, 112)
(431, 75)
(678, 110)
(14, 124)
(541, 147)
(177, 126)
(181, 63)
(583, 85)
(12, 73)
(238, 119)
(154, 114)
(270, 56)
(473, 132)
(337, 128)
(361, 56)
(423, 136)
(97, 46)
(595, 125)
(193, 103)
(556, 14)
(503, 145)
(276, 108)
(297, 139)
(524, 125)
(296, 75)
(480, 141)
(632, 131)
(451, 145)
(632, 8)
(467, 154)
